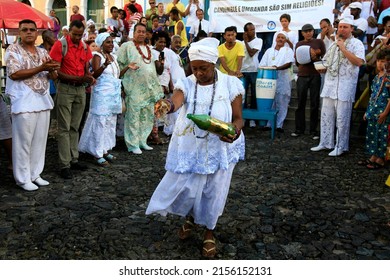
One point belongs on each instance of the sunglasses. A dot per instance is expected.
(152, 3)
(28, 29)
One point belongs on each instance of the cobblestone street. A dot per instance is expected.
(285, 202)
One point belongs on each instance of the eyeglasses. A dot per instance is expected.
(152, 3)
(28, 29)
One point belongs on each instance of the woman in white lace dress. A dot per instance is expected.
(281, 57)
(98, 136)
(200, 165)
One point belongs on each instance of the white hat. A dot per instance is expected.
(205, 49)
(355, 5)
(303, 54)
(65, 27)
(347, 20)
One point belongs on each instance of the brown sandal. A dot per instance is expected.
(211, 251)
(186, 230)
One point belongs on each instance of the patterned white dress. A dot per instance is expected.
(98, 136)
(199, 170)
(273, 57)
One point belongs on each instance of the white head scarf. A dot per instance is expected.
(90, 22)
(101, 38)
(282, 32)
(65, 27)
(347, 20)
(205, 49)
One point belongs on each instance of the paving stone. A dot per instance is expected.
(285, 202)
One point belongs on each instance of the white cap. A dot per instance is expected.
(205, 49)
(355, 5)
(347, 20)
(65, 27)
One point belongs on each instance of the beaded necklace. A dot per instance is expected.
(116, 70)
(210, 107)
(147, 59)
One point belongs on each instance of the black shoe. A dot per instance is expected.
(66, 173)
(78, 166)
(266, 128)
(280, 130)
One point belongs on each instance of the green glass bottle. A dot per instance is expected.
(213, 125)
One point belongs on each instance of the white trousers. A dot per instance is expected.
(29, 137)
(335, 115)
(280, 103)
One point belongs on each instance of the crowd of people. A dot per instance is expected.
(144, 70)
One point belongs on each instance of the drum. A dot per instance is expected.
(266, 87)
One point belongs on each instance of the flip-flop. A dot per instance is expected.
(374, 166)
(185, 230)
(102, 162)
(110, 157)
(212, 251)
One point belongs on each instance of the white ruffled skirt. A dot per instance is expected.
(203, 196)
(98, 136)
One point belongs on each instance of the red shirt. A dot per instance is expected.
(74, 60)
(77, 17)
(138, 6)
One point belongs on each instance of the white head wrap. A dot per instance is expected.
(90, 22)
(347, 20)
(282, 32)
(101, 38)
(303, 54)
(205, 49)
(65, 27)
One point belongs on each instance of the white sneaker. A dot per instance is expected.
(146, 147)
(335, 153)
(252, 123)
(137, 151)
(40, 182)
(317, 148)
(29, 186)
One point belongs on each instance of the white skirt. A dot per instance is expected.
(203, 196)
(98, 135)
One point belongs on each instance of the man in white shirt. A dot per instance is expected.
(327, 33)
(250, 63)
(115, 21)
(360, 24)
(28, 71)
(200, 24)
(344, 58)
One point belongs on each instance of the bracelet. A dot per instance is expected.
(104, 66)
(172, 107)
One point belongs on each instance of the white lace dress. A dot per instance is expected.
(273, 57)
(199, 170)
(98, 136)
